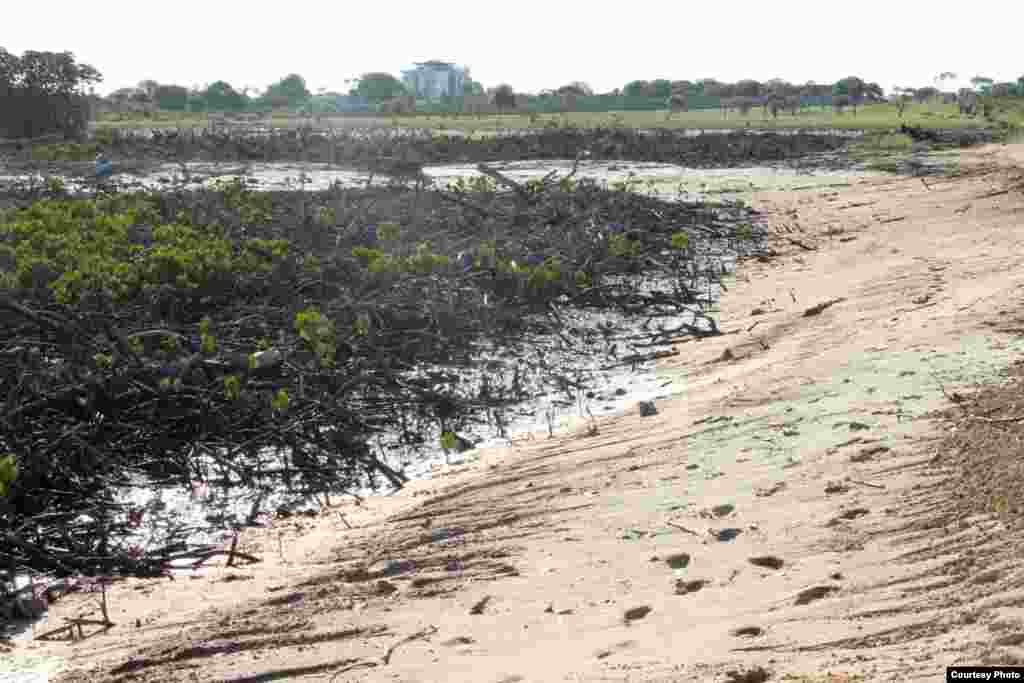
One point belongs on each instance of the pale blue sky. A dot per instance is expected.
(529, 44)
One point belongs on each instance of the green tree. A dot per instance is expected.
(378, 86)
(149, 87)
(504, 97)
(636, 89)
(662, 88)
(683, 87)
(196, 101)
(46, 73)
(220, 96)
(292, 88)
(171, 97)
(1003, 89)
(852, 87)
(983, 84)
(471, 87)
(578, 88)
(748, 88)
(713, 88)
(778, 87)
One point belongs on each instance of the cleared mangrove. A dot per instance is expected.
(233, 339)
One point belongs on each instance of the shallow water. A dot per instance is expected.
(695, 184)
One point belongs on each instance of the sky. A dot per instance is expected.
(529, 44)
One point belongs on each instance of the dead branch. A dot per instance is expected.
(817, 309)
(419, 635)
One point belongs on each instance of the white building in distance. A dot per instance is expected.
(434, 78)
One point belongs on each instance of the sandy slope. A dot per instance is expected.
(562, 559)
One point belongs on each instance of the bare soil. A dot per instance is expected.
(829, 497)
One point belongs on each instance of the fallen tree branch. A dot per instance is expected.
(419, 635)
(817, 309)
(989, 195)
(867, 483)
(506, 181)
(683, 528)
(800, 244)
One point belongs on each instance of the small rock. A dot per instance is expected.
(767, 561)
(722, 510)
(620, 392)
(396, 567)
(747, 631)
(836, 576)
(848, 515)
(692, 466)
(836, 487)
(635, 613)
(647, 408)
(458, 640)
(756, 675)
(726, 534)
(684, 587)
(385, 588)
(678, 561)
(817, 593)
(446, 533)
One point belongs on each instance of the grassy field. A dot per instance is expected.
(873, 117)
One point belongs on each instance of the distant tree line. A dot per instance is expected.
(220, 96)
(291, 93)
